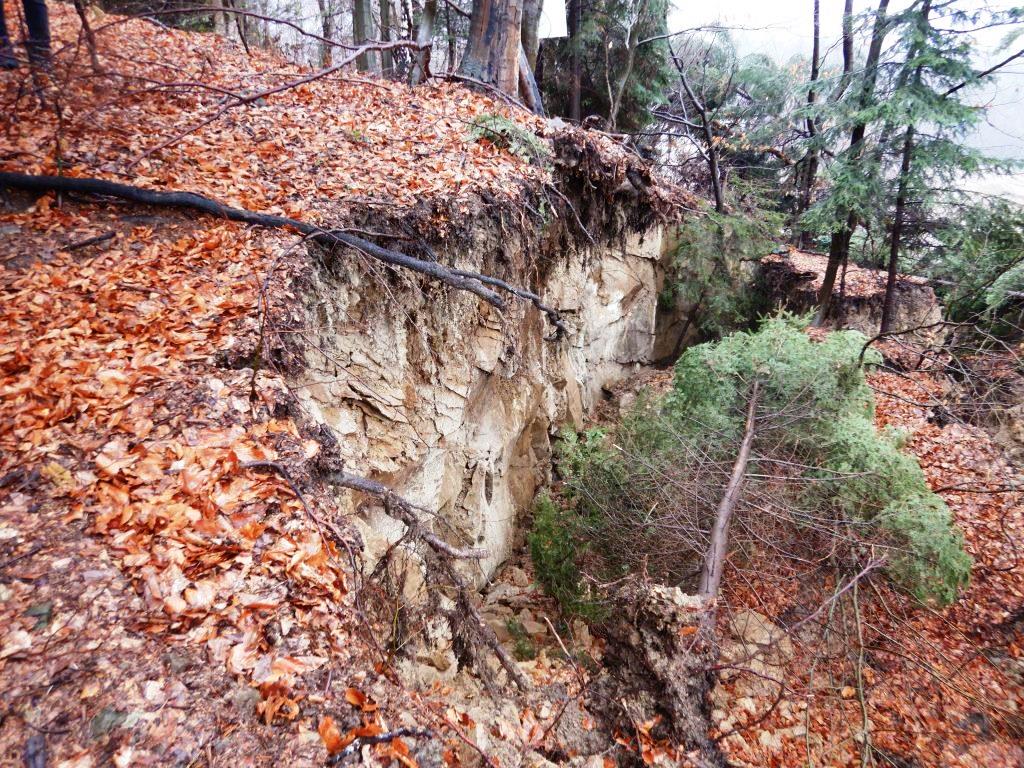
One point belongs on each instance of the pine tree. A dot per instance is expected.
(907, 115)
(929, 101)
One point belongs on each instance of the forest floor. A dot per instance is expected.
(937, 687)
(162, 602)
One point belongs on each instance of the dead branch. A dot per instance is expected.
(91, 241)
(714, 561)
(403, 510)
(380, 738)
(460, 279)
(443, 555)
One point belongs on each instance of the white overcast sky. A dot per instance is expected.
(784, 28)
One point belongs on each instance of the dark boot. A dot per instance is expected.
(38, 41)
(7, 58)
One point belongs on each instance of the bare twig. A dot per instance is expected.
(445, 553)
(12, 560)
(91, 241)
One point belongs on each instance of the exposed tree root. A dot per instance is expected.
(464, 281)
(466, 621)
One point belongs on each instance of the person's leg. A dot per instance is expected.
(38, 21)
(7, 60)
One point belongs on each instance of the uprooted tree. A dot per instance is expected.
(764, 445)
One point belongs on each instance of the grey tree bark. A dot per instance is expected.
(363, 32)
(425, 33)
(714, 561)
(530, 31)
(492, 53)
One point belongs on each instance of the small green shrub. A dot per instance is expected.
(710, 270)
(579, 452)
(556, 547)
(510, 136)
(553, 551)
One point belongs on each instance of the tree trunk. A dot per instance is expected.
(327, 30)
(528, 89)
(362, 32)
(889, 304)
(451, 55)
(714, 560)
(575, 60)
(421, 68)
(809, 171)
(632, 39)
(240, 24)
(530, 31)
(839, 247)
(90, 38)
(707, 127)
(492, 53)
(387, 59)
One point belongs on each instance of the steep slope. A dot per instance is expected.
(179, 584)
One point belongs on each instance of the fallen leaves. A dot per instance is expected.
(331, 736)
(858, 282)
(358, 699)
(118, 417)
(925, 679)
(308, 152)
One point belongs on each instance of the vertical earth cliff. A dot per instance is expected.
(454, 404)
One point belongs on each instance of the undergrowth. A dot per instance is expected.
(710, 272)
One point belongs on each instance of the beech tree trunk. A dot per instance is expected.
(529, 91)
(387, 59)
(327, 30)
(530, 31)
(492, 53)
(425, 33)
(362, 32)
(714, 560)
(839, 247)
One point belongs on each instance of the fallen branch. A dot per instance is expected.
(17, 558)
(714, 560)
(380, 738)
(402, 510)
(444, 553)
(91, 241)
(465, 281)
